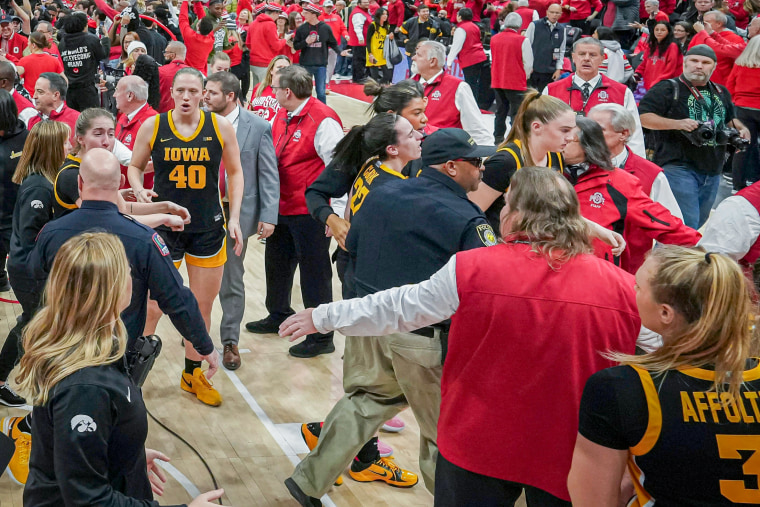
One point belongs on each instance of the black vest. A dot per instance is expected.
(545, 43)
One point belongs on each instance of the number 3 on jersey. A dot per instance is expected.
(728, 448)
(195, 177)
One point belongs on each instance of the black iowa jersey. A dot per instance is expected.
(499, 169)
(687, 445)
(187, 169)
(66, 187)
(373, 174)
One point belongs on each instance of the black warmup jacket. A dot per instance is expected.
(11, 145)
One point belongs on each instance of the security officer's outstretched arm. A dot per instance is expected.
(234, 175)
(140, 157)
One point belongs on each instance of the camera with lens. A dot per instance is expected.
(708, 133)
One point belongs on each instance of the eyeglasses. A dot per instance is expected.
(275, 88)
(477, 162)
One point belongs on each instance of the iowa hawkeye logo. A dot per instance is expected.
(186, 154)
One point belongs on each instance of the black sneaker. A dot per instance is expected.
(263, 326)
(311, 348)
(9, 398)
(300, 496)
(4, 285)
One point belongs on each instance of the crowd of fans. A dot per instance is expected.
(614, 125)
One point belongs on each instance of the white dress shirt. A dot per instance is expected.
(732, 229)
(134, 113)
(409, 307)
(469, 112)
(636, 142)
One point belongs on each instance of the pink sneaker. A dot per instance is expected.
(394, 425)
(386, 450)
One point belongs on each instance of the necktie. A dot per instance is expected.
(586, 91)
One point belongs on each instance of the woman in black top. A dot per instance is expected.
(90, 422)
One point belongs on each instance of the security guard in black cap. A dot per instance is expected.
(408, 229)
(152, 267)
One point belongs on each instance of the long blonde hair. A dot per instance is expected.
(712, 296)
(44, 151)
(534, 107)
(544, 209)
(268, 77)
(79, 324)
(750, 57)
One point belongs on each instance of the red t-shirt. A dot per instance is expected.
(35, 64)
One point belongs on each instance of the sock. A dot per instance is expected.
(25, 425)
(191, 365)
(369, 453)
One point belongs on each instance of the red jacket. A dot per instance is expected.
(22, 103)
(440, 111)
(396, 13)
(743, 85)
(198, 46)
(67, 115)
(266, 105)
(607, 92)
(656, 68)
(15, 47)
(736, 7)
(615, 200)
(540, 6)
(507, 70)
(752, 194)
(263, 30)
(477, 8)
(297, 159)
(472, 51)
(523, 342)
(526, 13)
(126, 132)
(165, 78)
(727, 46)
(584, 8)
(335, 22)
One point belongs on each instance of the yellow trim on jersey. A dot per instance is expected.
(155, 132)
(654, 426)
(212, 261)
(181, 137)
(55, 185)
(702, 374)
(216, 129)
(642, 498)
(392, 172)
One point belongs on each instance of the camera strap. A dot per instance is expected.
(700, 98)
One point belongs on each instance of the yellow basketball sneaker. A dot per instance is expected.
(310, 435)
(201, 387)
(18, 468)
(383, 469)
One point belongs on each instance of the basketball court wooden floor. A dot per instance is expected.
(252, 441)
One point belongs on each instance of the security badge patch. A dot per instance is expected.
(159, 242)
(486, 234)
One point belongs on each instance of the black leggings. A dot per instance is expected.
(381, 74)
(457, 487)
(12, 350)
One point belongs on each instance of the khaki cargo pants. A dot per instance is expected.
(381, 376)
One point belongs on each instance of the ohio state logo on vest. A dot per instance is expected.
(128, 139)
(436, 95)
(603, 96)
(597, 200)
(297, 136)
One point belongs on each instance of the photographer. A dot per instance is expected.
(694, 115)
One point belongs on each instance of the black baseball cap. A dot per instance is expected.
(451, 144)
(5, 19)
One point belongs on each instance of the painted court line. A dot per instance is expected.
(284, 445)
(186, 483)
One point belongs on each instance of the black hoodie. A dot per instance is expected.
(11, 145)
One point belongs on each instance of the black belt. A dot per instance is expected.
(429, 331)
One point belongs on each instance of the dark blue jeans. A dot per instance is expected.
(694, 191)
(320, 76)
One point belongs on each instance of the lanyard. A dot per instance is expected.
(700, 98)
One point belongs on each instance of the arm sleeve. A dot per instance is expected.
(184, 21)
(600, 418)
(527, 55)
(636, 143)
(331, 183)
(658, 99)
(331, 42)
(529, 32)
(656, 222)
(80, 449)
(470, 115)
(357, 23)
(404, 308)
(107, 9)
(732, 229)
(66, 188)
(478, 233)
(35, 210)
(299, 39)
(269, 179)
(499, 169)
(100, 47)
(176, 300)
(329, 133)
(562, 49)
(456, 46)
(663, 194)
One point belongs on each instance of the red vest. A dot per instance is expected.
(526, 13)
(643, 169)
(523, 342)
(126, 132)
(507, 70)
(67, 115)
(22, 103)
(472, 51)
(298, 161)
(441, 112)
(353, 40)
(752, 194)
(606, 92)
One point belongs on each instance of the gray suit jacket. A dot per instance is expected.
(261, 198)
